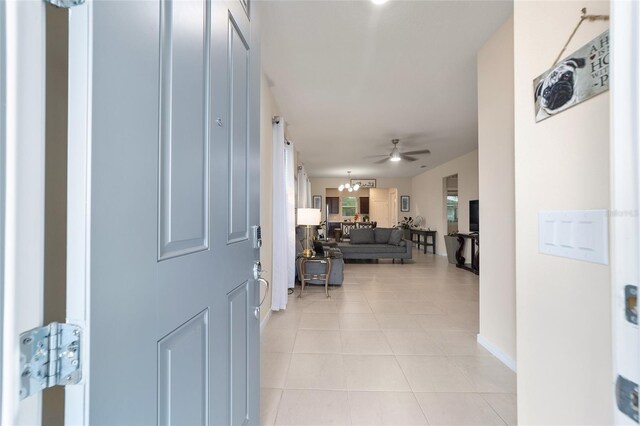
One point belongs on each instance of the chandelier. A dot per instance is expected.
(348, 186)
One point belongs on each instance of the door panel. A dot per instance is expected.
(123, 302)
(238, 335)
(184, 132)
(238, 124)
(183, 366)
(174, 190)
(380, 213)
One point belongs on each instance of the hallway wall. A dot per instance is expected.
(562, 163)
(268, 108)
(428, 195)
(497, 194)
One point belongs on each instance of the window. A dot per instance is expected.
(348, 205)
(452, 208)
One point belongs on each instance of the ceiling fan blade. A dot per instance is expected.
(382, 161)
(421, 151)
(407, 157)
(375, 156)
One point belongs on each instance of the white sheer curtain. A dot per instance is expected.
(304, 188)
(284, 249)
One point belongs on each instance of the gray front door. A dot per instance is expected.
(173, 326)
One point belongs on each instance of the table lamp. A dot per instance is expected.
(309, 218)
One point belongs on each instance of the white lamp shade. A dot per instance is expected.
(308, 216)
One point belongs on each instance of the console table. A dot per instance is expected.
(422, 235)
(474, 266)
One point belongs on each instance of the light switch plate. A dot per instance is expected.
(576, 234)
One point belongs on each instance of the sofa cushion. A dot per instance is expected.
(382, 235)
(347, 248)
(396, 237)
(362, 236)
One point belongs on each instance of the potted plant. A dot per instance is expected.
(406, 224)
(451, 242)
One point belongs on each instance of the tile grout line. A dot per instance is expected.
(491, 406)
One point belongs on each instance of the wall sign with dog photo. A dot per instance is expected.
(575, 79)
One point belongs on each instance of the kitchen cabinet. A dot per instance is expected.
(364, 205)
(334, 205)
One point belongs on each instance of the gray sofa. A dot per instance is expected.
(378, 243)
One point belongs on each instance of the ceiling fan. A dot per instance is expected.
(396, 155)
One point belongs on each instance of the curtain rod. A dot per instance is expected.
(276, 120)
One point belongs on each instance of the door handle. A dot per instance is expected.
(266, 283)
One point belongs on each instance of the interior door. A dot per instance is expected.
(393, 206)
(170, 300)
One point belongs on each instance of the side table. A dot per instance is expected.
(306, 276)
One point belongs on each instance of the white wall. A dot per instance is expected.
(268, 108)
(563, 306)
(497, 193)
(428, 198)
(320, 185)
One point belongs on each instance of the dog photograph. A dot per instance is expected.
(575, 79)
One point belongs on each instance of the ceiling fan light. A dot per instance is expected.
(356, 187)
(347, 185)
(341, 188)
(350, 189)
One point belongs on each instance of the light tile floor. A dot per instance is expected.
(395, 345)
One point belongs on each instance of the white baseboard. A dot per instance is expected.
(504, 358)
(264, 321)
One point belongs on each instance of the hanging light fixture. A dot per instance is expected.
(347, 185)
(395, 154)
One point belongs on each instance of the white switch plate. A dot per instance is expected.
(576, 234)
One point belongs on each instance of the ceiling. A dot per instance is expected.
(349, 76)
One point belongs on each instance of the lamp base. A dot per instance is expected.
(307, 253)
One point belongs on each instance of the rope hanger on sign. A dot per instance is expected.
(583, 18)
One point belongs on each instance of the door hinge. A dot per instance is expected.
(65, 4)
(49, 356)
(627, 397)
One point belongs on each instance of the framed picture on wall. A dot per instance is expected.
(364, 183)
(405, 203)
(317, 202)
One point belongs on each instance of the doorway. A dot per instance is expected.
(393, 206)
(451, 202)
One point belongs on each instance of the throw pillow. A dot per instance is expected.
(396, 237)
(362, 236)
(382, 235)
